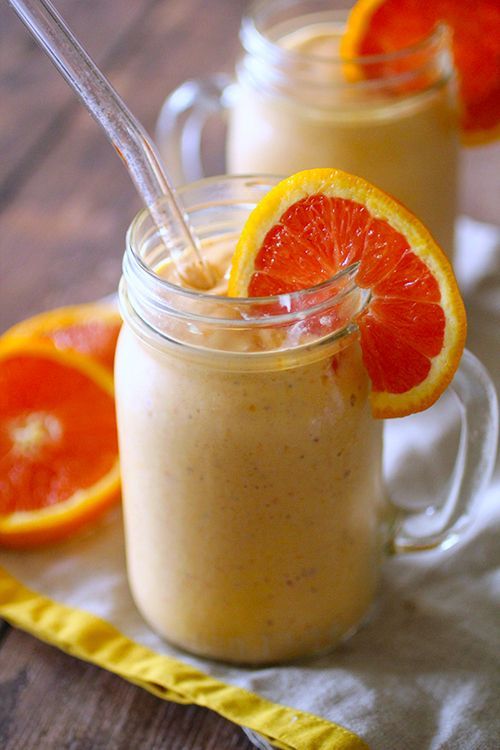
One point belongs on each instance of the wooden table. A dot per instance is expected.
(65, 203)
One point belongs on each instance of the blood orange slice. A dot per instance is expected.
(89, 329)
(384, 26)
(320, 221)
(58, 445)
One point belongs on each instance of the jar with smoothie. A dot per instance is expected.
(297, 104)
(256, 515)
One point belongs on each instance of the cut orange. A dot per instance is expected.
(318, 222)
(89, 329)
(383, 26)
(58, 444)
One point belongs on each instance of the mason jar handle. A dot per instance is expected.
(182, 119)
(442, 524)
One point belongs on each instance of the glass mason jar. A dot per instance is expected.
(256, 517)
(296, 104)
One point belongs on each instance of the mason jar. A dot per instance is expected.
(256, 513)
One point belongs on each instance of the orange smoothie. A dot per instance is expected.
(255, 515)
(308, 114)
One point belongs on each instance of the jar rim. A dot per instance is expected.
(142, 267)
(161, 305)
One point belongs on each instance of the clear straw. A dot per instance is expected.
(124, 131)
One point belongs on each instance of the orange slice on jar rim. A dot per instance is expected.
(59, 466)
(377, 27)
(90, 329)
(320, 221)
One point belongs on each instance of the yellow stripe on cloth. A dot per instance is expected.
(94, 640)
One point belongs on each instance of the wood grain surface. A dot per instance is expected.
(65, 204)
(50, 701)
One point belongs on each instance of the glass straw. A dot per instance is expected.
(124, 131)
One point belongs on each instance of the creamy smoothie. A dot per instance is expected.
(253, 500)
(303, 113)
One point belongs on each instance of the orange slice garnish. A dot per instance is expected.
(317, 222)
(90, 329)
(382, 26)
(58, 444)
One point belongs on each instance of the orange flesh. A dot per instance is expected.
(475, 25)
(403, 326)
(57, 432)
(95, 338)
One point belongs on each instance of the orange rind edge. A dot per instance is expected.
(62, 317)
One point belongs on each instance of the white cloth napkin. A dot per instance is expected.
(422, 674)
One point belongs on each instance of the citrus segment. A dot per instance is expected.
(318, 222)
(58, 444)
(89, 329)
(379, 27)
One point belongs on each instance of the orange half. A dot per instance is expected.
(320, 221)
(377, 27)
(58, 445)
